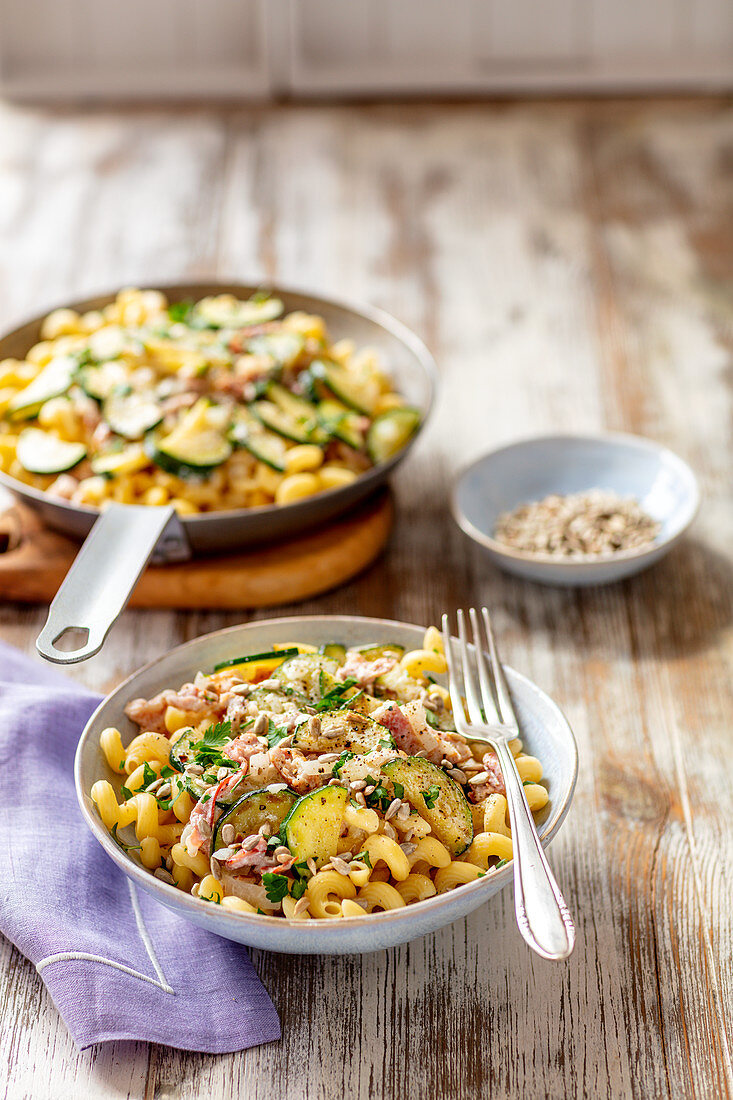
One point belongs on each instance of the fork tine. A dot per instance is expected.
(506, 710)
(454, 691)
(491, 711)
(469, 681)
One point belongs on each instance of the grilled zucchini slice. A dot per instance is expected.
(267, 806)
(310, 675)
(344, 730)
(268, 447)
(437, 798)
(390, 432)
(342, 423)
(313, 826)
(255, 664)
(132, 415)
(39, 452)
(357, 392)
(53, 381)
(197, 444)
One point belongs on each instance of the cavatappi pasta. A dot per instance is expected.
(217, 404)
(310, 784)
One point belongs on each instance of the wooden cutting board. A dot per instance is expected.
(34, 560)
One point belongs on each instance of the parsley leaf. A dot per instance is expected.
(120, 841)
(149, 775)
(208, 752)
(502, 862)
(527, 782)
(275, 734)
(333, 699)
(126, 792)
(338, 764)
(298, 889)
(180, 312)
(431, 795)
(364, 857)
(399, 790)
(276, 886)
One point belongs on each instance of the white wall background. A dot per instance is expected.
(258, 48)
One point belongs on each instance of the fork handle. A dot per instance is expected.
(542, 915)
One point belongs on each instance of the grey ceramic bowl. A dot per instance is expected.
(545, 733)
(534, 468)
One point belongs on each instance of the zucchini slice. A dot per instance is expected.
(335, 651)
(250, 433)
(266, 806)
(374, 652)
(344, 730)
(53, 381)
(437, 798)
(390, 431)
(290, 416)
(282, 347)
(223, 312)
(248, 667)
(358, 393)
(101, 380)
(311, 675)
(197, 444)
(313, 826)
(343, 423)
(40, 452)
(126, 460)
(132, 415)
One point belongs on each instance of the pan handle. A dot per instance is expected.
(103, 576)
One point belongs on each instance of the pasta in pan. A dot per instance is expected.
(310, 784)
(208, 405)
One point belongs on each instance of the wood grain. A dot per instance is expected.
(570, 266)
(37, 559)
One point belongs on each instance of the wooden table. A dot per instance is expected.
(570, 264)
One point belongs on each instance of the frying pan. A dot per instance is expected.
(121, 540)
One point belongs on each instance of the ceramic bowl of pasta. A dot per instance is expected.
(250, 413)
(298, 784)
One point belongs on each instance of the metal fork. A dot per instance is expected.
(542, 915)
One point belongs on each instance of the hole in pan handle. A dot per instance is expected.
(103, 576)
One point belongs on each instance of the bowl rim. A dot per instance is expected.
(186, 901)
(613, 439)
(366, 311)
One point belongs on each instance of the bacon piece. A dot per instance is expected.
(365, 672)
(290, 763)
(243, 748)
(258, 859)
(149, 714)
(493, 785)
(238, 340)
(407, 737)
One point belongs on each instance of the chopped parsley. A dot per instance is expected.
(118, 840)
(334, 697)
(338, 764)
(126, 792)
(380, 795)
(180, 312)
(275, 734)
(298, 889)
(276, 886)
(386, 743)
(431, 795)
(399, 790)
(364, 857)
(528, 782)
(501, 863)
(208, 752)
(431, 719)
(149, 775)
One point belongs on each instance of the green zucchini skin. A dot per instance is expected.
(360, 734)
(40, 452)
(374, 652)
(266, 806)
(390, 432)
(450, 814)
(53, 381)
(311, 675)
(269, 655)
(313, 826)
(335, 651)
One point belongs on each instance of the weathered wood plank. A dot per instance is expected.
(567, 263)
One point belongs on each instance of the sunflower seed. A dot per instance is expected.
(215, 868)
(339, 865)
(204, 828)
(223, 853)
(154, 785)
(264, 830)
(164, 791)
(358, 785)
(164, 876)
(261, 726)
(194, 769)
(480, 777)
(301, 906)
(311, 865)
(457, 774)
(227, 833)
(314, 726)
(404, 811)
(250, 843)
(392, 808)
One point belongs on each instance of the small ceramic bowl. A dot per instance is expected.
(545, 734)
(532, 469)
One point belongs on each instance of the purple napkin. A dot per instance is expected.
(117, 964)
